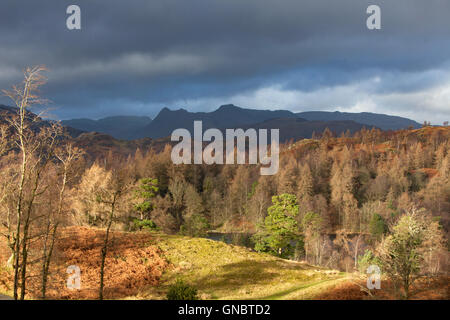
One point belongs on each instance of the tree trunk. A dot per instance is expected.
(105, 250)
(356, 251)
(46, 264)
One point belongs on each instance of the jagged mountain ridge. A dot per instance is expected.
(227, 116)
(231, 116)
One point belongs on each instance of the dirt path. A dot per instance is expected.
(2, 297)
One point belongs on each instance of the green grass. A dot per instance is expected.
(221, 271)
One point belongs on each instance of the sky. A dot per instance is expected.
(135, 57)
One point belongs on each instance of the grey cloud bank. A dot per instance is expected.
(137, 56)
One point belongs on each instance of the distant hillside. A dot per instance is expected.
(298, 128)
(120, 127)
(98, 145)
(6, 111)
(5, 108)
(95, 144)
(382, 121)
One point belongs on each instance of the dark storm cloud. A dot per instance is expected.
(136, 56)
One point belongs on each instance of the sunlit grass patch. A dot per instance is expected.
(222, 271)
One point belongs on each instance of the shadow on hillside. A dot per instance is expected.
(281, 294)
(239, 274)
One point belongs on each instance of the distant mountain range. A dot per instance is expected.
(231, 116)
(143, 133)
(292, 125)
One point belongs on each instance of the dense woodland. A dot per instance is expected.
(341, 197)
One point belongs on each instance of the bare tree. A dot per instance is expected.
(120, 182)
(35, 145)
(7, 178)
(66, 157)
(100, 195)
(3, 138)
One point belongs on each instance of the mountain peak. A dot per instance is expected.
(226, 107)
(166, 110)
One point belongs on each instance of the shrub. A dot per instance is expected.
(181, 291)
(144, 224)
(196, 226)
(366, 260)
(403, 252)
